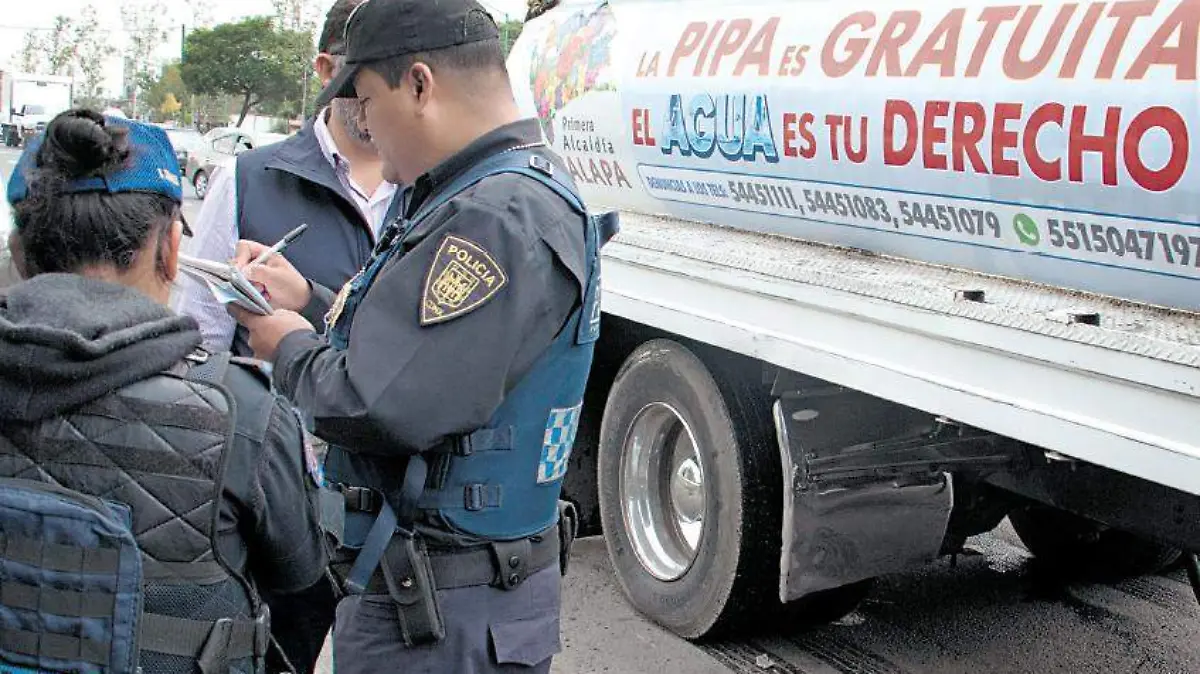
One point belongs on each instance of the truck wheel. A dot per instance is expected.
(1072, 543)
(200, 183)
(689, 481)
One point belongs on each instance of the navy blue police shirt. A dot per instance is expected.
(422, 364)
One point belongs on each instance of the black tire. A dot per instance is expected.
(1078, 546)
(200, 184)
(735, 571)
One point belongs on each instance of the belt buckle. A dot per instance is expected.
(360, 499)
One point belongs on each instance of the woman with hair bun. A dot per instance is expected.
(104, 392)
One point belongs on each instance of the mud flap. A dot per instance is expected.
(839, 533)
(846, 535)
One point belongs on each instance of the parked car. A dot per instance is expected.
(186, 141)
(219, 147)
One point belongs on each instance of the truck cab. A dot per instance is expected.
(30, 120)
(31, 101)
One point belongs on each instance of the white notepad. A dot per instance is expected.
(226, 283)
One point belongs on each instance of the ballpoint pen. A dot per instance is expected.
(279, 246)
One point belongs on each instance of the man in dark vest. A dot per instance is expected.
(327, 175)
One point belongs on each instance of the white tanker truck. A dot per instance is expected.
(886, 276)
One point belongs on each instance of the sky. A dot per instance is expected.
(20, 16)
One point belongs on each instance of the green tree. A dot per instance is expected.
(92, 51)
(53, 53)
(60, 46)
(248, 59)
(74, 46)
(296, 15)
(145, 31)
(170, 106)
(31, 58)
(509, 32)
(169, 83)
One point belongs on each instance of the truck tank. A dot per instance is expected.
(1049, 142)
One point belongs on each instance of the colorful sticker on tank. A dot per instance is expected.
(572, 60)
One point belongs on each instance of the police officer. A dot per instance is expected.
(450, 380)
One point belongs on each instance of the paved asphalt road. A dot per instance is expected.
(992, 613)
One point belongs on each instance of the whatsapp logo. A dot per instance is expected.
(1026, 229)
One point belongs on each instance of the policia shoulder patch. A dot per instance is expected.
(462, 278)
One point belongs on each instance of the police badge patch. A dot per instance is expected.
(462, 278)
(339, 303)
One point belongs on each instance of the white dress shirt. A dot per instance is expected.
(216, 234)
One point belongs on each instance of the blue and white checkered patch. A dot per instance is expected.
(556, 446)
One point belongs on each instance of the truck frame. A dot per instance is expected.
(850, 415)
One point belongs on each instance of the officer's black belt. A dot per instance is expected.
(503, 565)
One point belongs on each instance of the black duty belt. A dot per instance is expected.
(499, 564)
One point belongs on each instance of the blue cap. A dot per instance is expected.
(152, 167)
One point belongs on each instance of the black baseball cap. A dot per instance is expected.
(380, 29)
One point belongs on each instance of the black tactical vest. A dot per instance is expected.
(160, 447)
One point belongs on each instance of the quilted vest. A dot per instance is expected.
(158, 446)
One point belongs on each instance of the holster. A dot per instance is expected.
(568, 528)
(409, 576)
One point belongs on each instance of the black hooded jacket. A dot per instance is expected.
(67, 341)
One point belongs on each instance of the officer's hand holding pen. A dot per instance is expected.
(284, 287)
